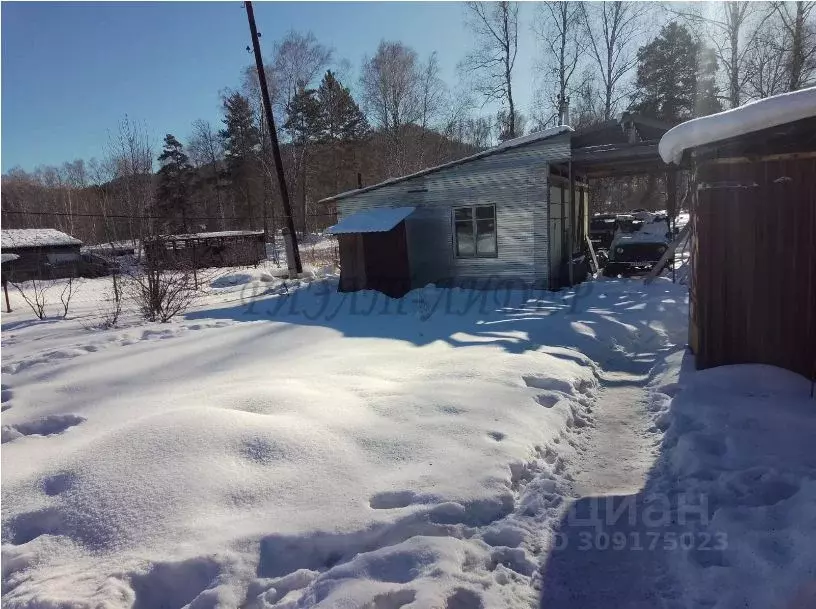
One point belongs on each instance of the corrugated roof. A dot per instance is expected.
(371, 221)
(504, 146)
(16, 238)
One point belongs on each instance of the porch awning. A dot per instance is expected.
(371, 221)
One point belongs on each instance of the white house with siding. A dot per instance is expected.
(503, 214)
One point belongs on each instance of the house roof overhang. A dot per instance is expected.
(618, 160)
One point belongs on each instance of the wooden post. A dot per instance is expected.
(572, 223)
(359, 180)
(294, 262)
(5, 291)
(671, 207)
(562, 188)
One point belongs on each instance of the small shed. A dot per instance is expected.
(753, 279)
(374, 251)
(202, 250)
(43, 253)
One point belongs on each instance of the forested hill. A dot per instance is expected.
(67, 198)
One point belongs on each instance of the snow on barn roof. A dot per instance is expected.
(15, 238)
(753, 116)
(509, 144)
(371, 221)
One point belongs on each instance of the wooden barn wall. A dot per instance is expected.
(37, 263)
(515, 181)
(754, 282)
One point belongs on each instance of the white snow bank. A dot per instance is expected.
(35, 237)
(308, 449)
(754, 116)
(739, 440)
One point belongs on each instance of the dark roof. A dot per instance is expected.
(619, 131)
(224, 234)
(620, 147)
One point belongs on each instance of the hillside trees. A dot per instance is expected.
(207, 154)
(403, 98)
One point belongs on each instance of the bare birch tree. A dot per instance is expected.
(559, 28)
(132, 158)
(800, 41)
(391, 84)
(732, 29)
(207, 153)
(612, 29)
(491, 64)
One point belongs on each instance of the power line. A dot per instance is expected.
(137, 217)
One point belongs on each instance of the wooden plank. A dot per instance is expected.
(593, 257)
(667, 254)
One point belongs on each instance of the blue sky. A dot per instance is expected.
(71, 71)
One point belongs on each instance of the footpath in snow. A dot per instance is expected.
(303, 448)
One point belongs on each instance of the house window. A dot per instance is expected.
(474, 234)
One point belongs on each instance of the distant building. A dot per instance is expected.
(43, 253)
(201, 250)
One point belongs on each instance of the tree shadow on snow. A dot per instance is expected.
(611, 321)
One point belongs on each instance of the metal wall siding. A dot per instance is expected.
(514, 181)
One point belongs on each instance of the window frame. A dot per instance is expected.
(474, 227)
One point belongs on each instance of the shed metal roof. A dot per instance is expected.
(371, 221)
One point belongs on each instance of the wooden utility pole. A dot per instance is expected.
(293, 260)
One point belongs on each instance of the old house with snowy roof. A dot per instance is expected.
(42, 253)
(514, 214)
(753, 232)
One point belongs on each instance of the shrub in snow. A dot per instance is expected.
(35, 296)
(161, 294)
(65, 295)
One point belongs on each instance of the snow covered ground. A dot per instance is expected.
(295, 447)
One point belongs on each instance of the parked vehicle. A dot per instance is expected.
(638, 251)
(602, 228)
(93, 265)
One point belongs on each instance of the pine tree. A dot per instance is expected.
(675, 77)
(303, 116)
(302, 113)
(341, 126)
(174, 179)
(242, 142)
(340, 117)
